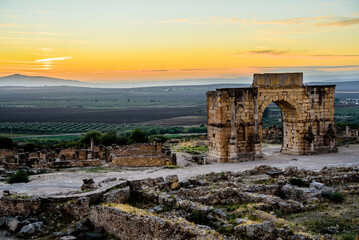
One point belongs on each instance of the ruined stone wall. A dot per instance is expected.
(141, 161)
(5, 153)
(141, 225)
(69, 153)
(141, 155)
(80, 163)
(234, 117)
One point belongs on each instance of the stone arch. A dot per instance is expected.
(284, 103)
(234, 116)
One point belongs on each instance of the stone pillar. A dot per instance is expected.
(257, 141)
(232, 148)
(92, 145)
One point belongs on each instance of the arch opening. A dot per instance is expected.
(277, 125)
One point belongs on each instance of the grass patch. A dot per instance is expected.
(298, 182)
(331, 225)
(171, 166)
(196, 150)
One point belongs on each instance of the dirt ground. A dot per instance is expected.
(70, 180)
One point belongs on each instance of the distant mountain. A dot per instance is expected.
(17, 80)
(344, 82)
(37, 81)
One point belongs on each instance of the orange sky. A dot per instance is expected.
(163, 40)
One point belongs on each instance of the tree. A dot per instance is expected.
(138, 136)
(109, 138)
(96, 135)
(6, 142)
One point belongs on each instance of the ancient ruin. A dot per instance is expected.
(47, 158)
(141, 155)
(234, 117)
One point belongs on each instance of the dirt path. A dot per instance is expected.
(65, 181)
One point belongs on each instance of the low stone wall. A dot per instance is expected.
(24, 207)
(68, 164)
(141, 225)
(140, 161)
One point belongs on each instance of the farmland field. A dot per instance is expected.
(68, 110)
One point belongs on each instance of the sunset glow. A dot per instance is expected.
(162, 40)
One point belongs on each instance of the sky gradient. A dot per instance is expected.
(132, 40)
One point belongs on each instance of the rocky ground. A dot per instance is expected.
(290, 197)
(262, 203)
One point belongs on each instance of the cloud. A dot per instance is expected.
(317, 21)
(52, 59)
(339, 22)
(291, 53)
(307, 67)
(10, 25)
(265, 52)
(175, 20)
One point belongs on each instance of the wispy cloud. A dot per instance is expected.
(175, 20)
(264, 52)
(52, 59)
(307, 67)
(291, 53)
(317, 21)
(339, 22)
(10, 25)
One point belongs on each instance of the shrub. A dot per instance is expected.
(122, 140)
(336, 197)
(298, 182)
(279, 213)
(199, 217)
(18, 177)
